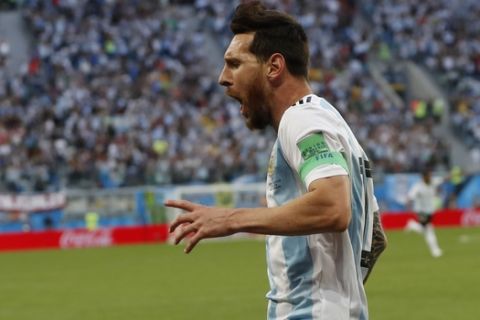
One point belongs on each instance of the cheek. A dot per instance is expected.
(249, 77)
(244, 79)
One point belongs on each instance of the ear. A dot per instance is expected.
(276, 66)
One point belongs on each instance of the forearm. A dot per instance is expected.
(311, 213)
(325, 208)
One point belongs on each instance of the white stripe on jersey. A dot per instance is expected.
(318, 276)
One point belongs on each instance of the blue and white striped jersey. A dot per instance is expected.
(318, 276)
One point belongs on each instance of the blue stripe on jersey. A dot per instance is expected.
(272, 305)
(363, 316)
(357, 211)
(272, 310)
(299, 265)
(284, 180)
(285, 188)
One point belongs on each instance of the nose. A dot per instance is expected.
(224, 79)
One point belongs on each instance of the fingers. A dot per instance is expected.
(183, 231)
(181, 204)
(183, 224)
(181, 219)
(193, 242)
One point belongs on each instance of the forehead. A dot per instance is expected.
(240, 45)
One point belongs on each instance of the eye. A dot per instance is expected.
(233, 63)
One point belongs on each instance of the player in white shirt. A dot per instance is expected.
(324, 234)
(423, 195)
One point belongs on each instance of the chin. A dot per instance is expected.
(255, 125)
(249, 124)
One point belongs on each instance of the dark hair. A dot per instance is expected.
(275, 32)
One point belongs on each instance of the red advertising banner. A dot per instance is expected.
(82, 238)
(442, 218)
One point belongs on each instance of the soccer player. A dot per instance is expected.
(322, 226)
(423, 195)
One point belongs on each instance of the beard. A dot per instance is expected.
(255, 110)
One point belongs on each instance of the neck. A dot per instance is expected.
(285, 95)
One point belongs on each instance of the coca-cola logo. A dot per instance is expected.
(85, 238)
(471, 218)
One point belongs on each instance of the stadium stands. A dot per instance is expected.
(116, 95)
(122, 93)
(441, 36)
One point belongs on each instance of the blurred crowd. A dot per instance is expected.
(117, 93)
(442, 36)
(123, 93)
(465, 115)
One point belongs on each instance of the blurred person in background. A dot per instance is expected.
(322, 226)
(424, 195)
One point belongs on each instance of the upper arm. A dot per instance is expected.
(312, 145)
(335, 193)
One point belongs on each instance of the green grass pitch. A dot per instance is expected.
(227, 280)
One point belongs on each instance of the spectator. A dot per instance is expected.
(120, 94)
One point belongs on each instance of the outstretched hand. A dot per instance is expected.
(199, 221)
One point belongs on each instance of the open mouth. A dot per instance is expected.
(238, 99)
(243, 109)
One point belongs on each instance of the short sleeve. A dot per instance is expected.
(311, 144)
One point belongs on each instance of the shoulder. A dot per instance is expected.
(313, 116)
(316, 107)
